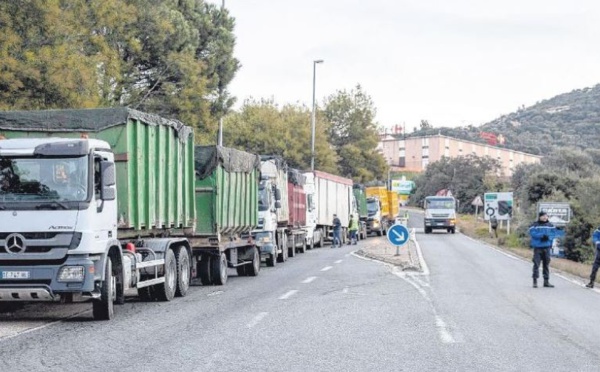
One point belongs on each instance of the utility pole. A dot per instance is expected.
(313, 116)
(220, 136)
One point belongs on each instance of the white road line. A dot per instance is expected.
(288, 294)
(424, 267)
(257, 319)
(445, 335)
(338, 261)
(345, 290)
(214, 293)
(326, 268)
(310, 279)
(43, 326)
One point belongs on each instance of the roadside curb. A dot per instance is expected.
(416, 264)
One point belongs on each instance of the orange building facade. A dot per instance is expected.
(415, 153)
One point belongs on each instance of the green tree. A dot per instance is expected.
(354, 136)
(264, 128)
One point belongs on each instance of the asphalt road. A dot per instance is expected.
(328, 310)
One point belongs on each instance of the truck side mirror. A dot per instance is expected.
(107, 174)
(278, 195)
(277, 204)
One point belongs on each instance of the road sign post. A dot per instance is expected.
(398, 235)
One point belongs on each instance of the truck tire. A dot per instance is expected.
(428, 230)
(103, 308)
(166, 291)
(321, 240)
(219, 270)
(204, 269)
(254, 268)
(380, 232)
(146, 294)
(182, 257)
(272, 260)
(292, 247)
(302, 249)
(453, 230)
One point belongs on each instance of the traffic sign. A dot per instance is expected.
(398, 235)
(498, 205)
(477, 202)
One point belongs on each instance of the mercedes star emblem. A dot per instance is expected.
(15, 243)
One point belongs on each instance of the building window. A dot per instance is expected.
(425, 157)
(402, 162)
(424, 163)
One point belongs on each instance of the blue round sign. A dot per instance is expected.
(398, 235)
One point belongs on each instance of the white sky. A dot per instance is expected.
(452, 62)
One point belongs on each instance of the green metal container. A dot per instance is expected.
(361, 201)
(154, 159)
(226, 191)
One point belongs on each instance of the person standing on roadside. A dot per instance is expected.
(542, 234)
(353, 227)
(337, 231)
(596, 242)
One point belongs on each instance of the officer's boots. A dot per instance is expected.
(547, 284)
(590, 284)
(534, 283)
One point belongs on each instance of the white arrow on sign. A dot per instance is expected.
(401, 236)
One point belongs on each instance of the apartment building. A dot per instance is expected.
(415, 153)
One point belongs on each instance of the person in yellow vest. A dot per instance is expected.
(353, 227)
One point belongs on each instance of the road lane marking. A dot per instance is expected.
(19, 333)
(338, 261)
(345, 290)
(326, 268)
(257, 319)
(310, 279)
(445, 335)
(214, 293)
(288, 294)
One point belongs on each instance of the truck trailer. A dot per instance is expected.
(297, 234)
(96, 202)
(327, 195)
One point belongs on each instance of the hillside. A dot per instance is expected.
(567, 120)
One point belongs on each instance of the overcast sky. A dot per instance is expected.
(452, 62)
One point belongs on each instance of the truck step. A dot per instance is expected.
(149, 282)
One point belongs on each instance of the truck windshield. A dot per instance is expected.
(440, 203)
(43, 179)
(263, 199)
(372, 207)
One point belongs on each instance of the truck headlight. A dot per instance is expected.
(265, 239)
(71, 274)
(452, 221)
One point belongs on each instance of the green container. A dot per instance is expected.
(226, 191)
(154, 159)
(361, 201)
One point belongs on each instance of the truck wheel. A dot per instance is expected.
(379, 232)
(166, 291)
(302, 249)
(204, 269)
(103, 308)
(453, 230)
(254, 267)
(321, 240)
(183, 271)
(428, 230)
(146, 294)
(241, 270)
(272, 260)
(292, 247)
(219, 270)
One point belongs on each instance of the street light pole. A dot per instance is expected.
(313, 116)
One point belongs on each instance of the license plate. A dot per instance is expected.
(15, 275)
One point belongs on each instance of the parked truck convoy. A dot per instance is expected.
(440, 213)
(97, 202)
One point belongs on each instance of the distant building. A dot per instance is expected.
(415, 153)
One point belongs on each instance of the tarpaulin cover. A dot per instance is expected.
(208, 158)
(84, 120)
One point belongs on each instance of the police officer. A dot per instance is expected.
(596, 242)
(542, 234)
